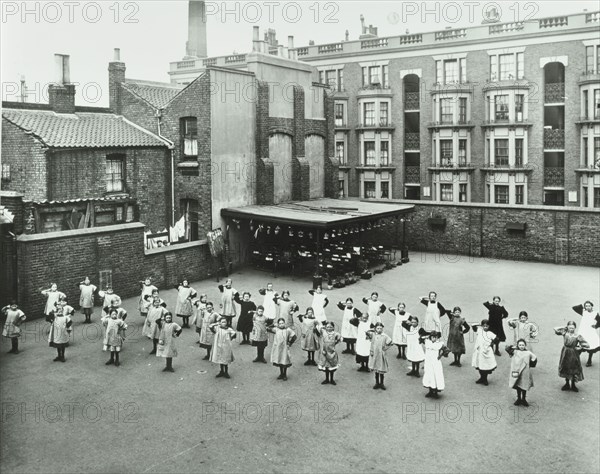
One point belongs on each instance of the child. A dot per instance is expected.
(520, 376)
(282, 341)
(270, 308)
(52, 296)
(169, 331)
(456, 338)
(228, 294)
(363, 345)
(433, 313)
(380, 343)
(12, 330)
(60, 325)
(349, 331)
(151, 330)
(399, 334)
(483, 356)
(496, 314)
(287, 308)
(319, 303)
(375, 308)
(414, 350)
(328, 357)
(259, 334)
(433, 375)
(86, 299)
(569, 366)
(198, 308)
(67, 309)
(209, 317)
(109, 300)
(183, 307)
(588, 326)
(145, 300)
(523, 329)
(310, 341)
(114, 336)
(222, 352)
(247, 310)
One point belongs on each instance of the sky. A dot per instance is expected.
(151, 34)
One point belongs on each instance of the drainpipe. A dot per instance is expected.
(158, 115)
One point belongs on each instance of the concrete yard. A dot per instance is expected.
(83, 416)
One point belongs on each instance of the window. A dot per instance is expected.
(462, 192)
(501, 152)
(519, 101)
(518, 152)
(451, 71)
(506, 69)
(462, 152)
(586, 154)
(340, 81)
(446, 112)
(596, 104)
(322, 77)
(493, 68)
(589, 59)
(446, 152)
(369, 189)
(365, 77)
(189, 209)
(585, 105)
(330, 78)
(385, 190)
(374, 74)
(340, 151)
(369, 113)
(5, 172)
(189, 135)
(341, 188)
(114, 173)
(584, 197)
(520, 66)
(446, 192)
(462, 66)
(519, 194)
(596, 197)
(383, 114)
(385, 76)
(597, 152)
(369, 148)
(339, 115)
(462, 110)
(501, 108)
(501, 194)
(384, 153)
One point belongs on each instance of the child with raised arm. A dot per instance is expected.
(228, 294)
(310, 340)
(414, 349)
(363, 344)
(319, 303)
(60, 327)
(222, 351)
(114, 336)
(287, 308)
(375, 308)
(588, 328)
(145, 300)
(12, 325)
(483, 353)
(109, 299)
(198, 307)
(52, 296)
(269, 306)
(380, 343)
(523, 328)
(456, 338)
(520, 374)
(169, 332)
(260, 336)
(349, 330)
(283, 339)
(207, 337)
(247, 310)
(496, 314)
(433, 372)
(433, 313)
(183, 307)
(569, 365)
(399, 334)
(86, 299)
(328, 356)
(151, 330)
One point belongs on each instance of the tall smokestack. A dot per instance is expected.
(256, 39)
(291, 53)
(196, 44)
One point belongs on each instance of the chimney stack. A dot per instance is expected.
(116, 76)
(291, 52)
(256, 39)
(61, 94)
(280, 52)
(196, 44)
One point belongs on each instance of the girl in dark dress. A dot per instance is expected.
(456, 338)
(569, 366)
(247, 309)
(496, 313)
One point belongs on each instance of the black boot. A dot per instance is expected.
(573, 387)
(14, 345)
(331, 381)
(399, 356)
(111, 360)
(222, 372)
(227, 372)
(566, 386)
(154, 346)
(326, 381)
(284, 378)
(117, 363)
(381, 385)
(377, 384)
(169, 367)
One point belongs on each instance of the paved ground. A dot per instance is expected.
(83, 416)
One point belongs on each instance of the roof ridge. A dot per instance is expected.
(28, 131)
(152, 83)
(148, 132)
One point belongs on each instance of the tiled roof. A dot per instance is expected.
(81, 129)
(157, 94)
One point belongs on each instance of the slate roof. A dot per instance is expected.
(81, 129)
(157, 94)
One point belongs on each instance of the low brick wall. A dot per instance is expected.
(552, 234)
(67, 257)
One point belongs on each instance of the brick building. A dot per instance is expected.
(505, 113)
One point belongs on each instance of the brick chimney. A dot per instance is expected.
(116, 76)
(196, 43)
(62, 92)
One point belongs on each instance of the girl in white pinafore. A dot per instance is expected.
(363, 344)
(433, 313)
(183, 307)
(414, 350)
(145, 300)
(52, 296)
(319, 303)
(588, 328)
(349, 331)
(375, 308)
(483, 352)
(399, 334)
(269, 302)
(433, 376)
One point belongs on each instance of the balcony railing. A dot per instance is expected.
(554, 139)
(554, 93)
(186, 64)
(374, 43)
(412, 174)
(302, 51)
(554, 21)
(450, 34)
(412, 141)
(412, 100)
(554, 176)
(506, 27)
(592, 17)
(209, 62)
(411, 39)
(331, 48)
(235, 58)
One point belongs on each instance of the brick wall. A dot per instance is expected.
(67, 257)
(26, 157)
(553, 234)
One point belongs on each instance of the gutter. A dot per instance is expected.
(158, 115)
